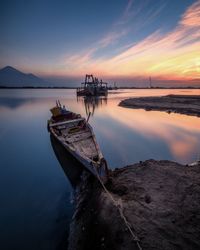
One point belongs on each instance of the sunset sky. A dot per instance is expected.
(118, 40)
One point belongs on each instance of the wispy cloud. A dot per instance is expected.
(84, 58)
(111, 38)
(127, 13)
(173, 55)
(191, 18)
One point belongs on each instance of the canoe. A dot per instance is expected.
(77, 137)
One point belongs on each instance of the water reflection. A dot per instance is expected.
(180, 133)
(32, 183)
(92, 102)
(13, 102)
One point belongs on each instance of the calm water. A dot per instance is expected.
(36, 196)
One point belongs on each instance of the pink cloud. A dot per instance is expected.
(173, 55)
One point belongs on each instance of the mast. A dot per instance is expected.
(150, 83)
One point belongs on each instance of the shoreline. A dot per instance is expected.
(159, 199)
(63, 87)
(182, 104)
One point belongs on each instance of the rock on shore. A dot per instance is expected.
(183, 104)
(159, 199)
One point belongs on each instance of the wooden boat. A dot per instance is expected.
(77, 137)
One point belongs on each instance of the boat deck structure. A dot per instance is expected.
(77, 137)
(92, 87)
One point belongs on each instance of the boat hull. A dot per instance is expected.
(75, 134)
(86, 92)
(100, 171)
(72, 168)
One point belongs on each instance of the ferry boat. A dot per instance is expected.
(76, 135)
(92, 87)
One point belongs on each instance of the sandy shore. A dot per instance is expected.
(183, 104)
(159, 199)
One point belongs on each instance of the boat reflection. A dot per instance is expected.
(92, 102)
(72, 168)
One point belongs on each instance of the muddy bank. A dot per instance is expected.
(159, 199)
(183, 104)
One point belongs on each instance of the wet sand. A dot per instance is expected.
(159, 199)
(183, 104)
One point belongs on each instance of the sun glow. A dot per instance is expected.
(173, 55)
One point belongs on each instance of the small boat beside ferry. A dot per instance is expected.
(77, 137)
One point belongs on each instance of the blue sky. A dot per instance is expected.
(64, 39)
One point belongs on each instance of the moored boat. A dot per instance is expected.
(92, 87)
(77, 137)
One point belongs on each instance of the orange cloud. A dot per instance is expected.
(174, 55)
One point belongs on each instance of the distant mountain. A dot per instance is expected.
(11, 77)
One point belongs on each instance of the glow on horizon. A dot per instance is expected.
(171, 56)
(131, 46)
